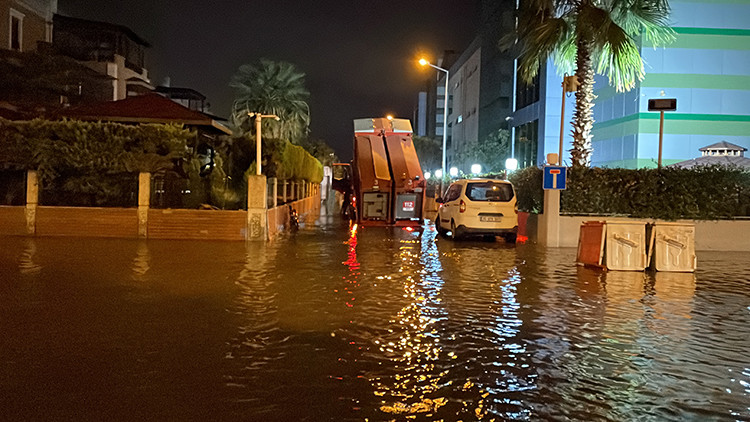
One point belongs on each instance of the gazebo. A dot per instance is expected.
(720, 153)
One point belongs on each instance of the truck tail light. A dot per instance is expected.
(462, 206)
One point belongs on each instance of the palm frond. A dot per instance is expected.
(620, 59)
(539, 44)
(272, 87)
(564, 56)
(647, 17)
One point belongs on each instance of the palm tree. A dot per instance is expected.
(271, 87)
(588, 37)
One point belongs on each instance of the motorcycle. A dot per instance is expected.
(293, 219)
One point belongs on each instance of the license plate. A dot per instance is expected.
(490, 219)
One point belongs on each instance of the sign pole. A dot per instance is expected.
(562, 123)
(661, 105)
(661, 135)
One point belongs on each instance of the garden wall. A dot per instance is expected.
(710, 235)
(86, 222)
(162, 224)
(197, 224)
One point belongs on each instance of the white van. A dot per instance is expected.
(478, 207)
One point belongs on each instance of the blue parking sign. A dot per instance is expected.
(554, 178)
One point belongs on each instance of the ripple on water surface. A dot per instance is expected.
(348, 323)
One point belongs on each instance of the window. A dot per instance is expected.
(16, 30)
(526, 94)
(526, 144)
(489, 192)
(453, 193)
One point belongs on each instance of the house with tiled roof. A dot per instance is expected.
(147, 108)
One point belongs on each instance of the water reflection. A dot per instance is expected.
(412, 344)
(26, 262)
(352, 323)
(257, 309)
(142, 261)
(353, 265)
(676, 291)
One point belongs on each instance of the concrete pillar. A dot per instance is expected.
(274, 183)
(32, 200)
(549, 222)
(256, 208)
(283, 191)
(144, 203)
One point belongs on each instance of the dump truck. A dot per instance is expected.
(384, 184)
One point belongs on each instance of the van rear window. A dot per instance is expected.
(489, 191)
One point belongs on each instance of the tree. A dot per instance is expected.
(319, 149)
(489, 152)
(430, 152)
(588, 37)
(271, 87)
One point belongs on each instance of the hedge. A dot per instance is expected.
(287, 161)
(703, 192)
(55, 147)
(90, 163)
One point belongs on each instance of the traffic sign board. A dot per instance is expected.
(554, 178)
(662, 104)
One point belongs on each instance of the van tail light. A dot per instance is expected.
(515, 208)
(462, 206)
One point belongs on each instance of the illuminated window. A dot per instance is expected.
(16, 30)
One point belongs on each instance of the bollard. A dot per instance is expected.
(144, 203)
(256, 208)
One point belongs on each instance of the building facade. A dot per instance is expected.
(463, 116)
(707, 69)
(109, 49)
(480, 87)
(25, 23)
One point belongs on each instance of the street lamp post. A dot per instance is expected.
(424, 62)
(258, 120)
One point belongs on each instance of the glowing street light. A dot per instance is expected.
(258, 119)
(439, 174)
(511, 164)
(454, 171)
(427, 175)
(424, 62)
(476, 168)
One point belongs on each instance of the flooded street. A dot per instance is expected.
(334, 323)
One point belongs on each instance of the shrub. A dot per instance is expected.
(88, 163)
(703, 193)
(528, 184)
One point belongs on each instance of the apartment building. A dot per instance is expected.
(110, 49)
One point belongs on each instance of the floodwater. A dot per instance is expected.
(334, 323)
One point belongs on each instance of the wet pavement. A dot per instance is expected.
(345, 323)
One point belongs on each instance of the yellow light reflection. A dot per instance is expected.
(413, 343)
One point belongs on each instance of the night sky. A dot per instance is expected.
(359, 56)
